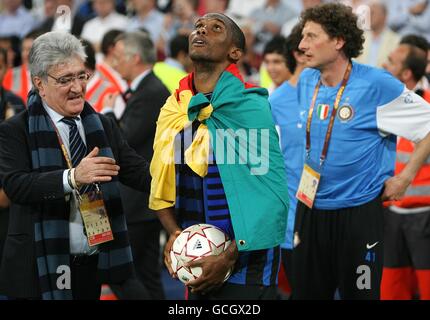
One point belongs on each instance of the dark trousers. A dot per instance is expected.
(145, 246)
(338, 249)
(231, 291)
(84, 277)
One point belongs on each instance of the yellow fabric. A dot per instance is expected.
(172, 120)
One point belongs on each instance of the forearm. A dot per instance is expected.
(4, 201)
(231, 254)
(168, 220)
(34, 187)
(420, 154)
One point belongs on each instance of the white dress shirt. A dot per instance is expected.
(78, 240)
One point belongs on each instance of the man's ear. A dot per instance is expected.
(40, 86)
(340, 42)
(235, 54)
(406, 75)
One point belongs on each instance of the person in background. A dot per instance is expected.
(98, 87)
(18, 79)
(380, 40)
(274, 64)
(135, 53)
(176, 65)
(290, 121)
(407, 221)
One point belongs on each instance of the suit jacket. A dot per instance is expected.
(138, 125)
(27, 188)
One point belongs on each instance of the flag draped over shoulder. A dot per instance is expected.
(237, 125)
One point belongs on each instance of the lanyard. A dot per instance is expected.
(332, 117)
(63, 147)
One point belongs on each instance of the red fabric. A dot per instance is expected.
(283, 282)
(423, 277)
(397, 284)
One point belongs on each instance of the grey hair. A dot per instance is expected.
(51, 49)
(141, 44)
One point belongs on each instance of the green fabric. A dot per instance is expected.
(258, 203)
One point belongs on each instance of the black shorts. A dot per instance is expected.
(407, 240)
(338, 249)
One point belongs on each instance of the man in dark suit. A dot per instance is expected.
(136, 55)
(56, 158)
(10, 104)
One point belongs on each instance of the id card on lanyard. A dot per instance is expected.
(92, 208)
(311, 174)
(95, 217)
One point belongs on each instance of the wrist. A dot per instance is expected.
(74, 183)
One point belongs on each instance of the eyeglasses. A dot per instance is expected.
(68, 80)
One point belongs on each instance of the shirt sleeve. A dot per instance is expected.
(67, 187)
(407, 116)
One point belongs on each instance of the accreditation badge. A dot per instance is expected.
(308, 185)
(95, 218)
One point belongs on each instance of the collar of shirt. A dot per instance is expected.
(54, 115)
(135, 83)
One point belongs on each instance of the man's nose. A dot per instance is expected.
(76, 85)
(201, 29)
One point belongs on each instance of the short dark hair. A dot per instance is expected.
(416, 61)
(3, 55)
(237, 35)
(109, 40)
(178, 44)
(416, 40)
(276, 45)
(90, 62)
(292, 45)
(338, 21)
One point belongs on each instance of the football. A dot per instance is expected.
(195, 242)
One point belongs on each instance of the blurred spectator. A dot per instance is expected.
(268, 20)
(398, 12)
(106, 67)
(380, 40)
(275, 63)
(423, 44)
(289, 25)
(9, 105)
(217, 6)
(237, 9)
(7, 43)
(107, 18)
(406, 234)
(18, 79)
(15, 20)
(97, 87)
(179, 22)
(54, 22)
(418, 21)
(136, 56)
(148, 17)
(177, 65)
(250, 62)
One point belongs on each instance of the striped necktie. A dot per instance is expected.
(77, 147)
